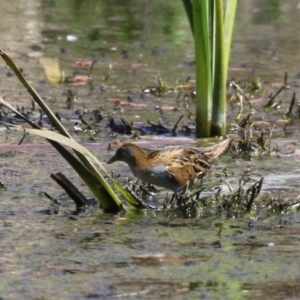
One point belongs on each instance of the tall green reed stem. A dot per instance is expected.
(212, 31)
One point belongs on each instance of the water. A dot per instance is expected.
(139, 255)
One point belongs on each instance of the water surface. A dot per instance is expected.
(140, 255)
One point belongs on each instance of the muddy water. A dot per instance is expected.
(144, 255)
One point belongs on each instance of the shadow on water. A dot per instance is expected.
(143, 255)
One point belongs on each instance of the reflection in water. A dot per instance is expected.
(20, 23)
(125, 21)
(267, 12)
(265, 39)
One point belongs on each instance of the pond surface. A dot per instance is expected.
(141, 255)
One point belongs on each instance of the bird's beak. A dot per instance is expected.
(113, 159)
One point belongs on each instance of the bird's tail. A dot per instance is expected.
(215, 151)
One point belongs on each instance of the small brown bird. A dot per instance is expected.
(171, 168)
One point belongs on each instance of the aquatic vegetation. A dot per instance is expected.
(212, 28)
(250, 138)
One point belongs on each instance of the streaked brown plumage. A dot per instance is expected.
(171, 168)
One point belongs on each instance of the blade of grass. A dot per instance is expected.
(53, 136)
(220, 73)
(90, 180)
(213, 41)
(46, 109)
(212, 36)
(230, 11)
(224, 30)
(203, 67)
(189, 11)
(113, 199)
